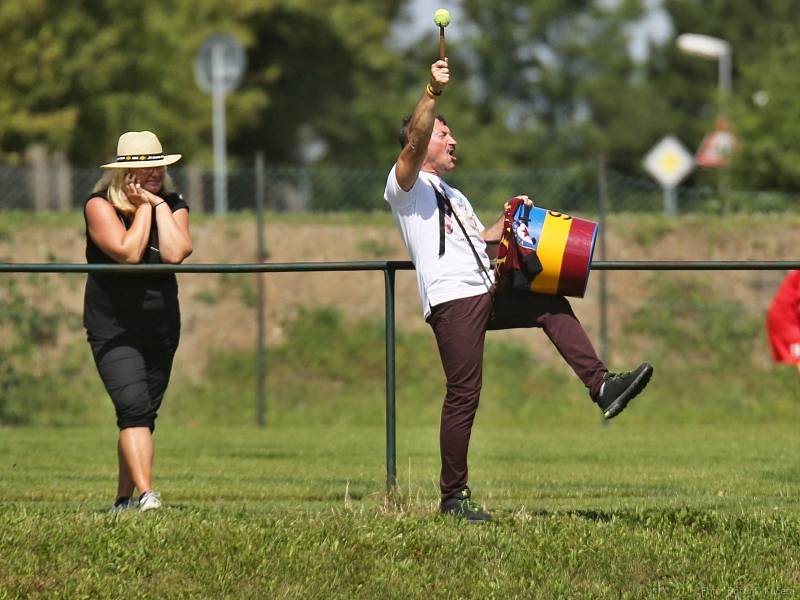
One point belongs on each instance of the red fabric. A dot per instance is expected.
(783, 321)
(507, 253)
(516, 266)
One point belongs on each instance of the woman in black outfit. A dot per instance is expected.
(133, 322)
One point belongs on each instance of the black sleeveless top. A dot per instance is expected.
(142, 307)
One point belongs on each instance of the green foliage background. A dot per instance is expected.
(332, 372)
(534, 84)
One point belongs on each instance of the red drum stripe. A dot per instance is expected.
(577, 258)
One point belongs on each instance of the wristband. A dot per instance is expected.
(157, 204)
(431, 93)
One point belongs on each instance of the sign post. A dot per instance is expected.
(669, 163)
(218, 69)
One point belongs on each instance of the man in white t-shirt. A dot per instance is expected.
(447, 243)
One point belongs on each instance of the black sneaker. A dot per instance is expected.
(121, 504)
(620, 388)
(462, 505)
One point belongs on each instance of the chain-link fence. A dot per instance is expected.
(328, 189)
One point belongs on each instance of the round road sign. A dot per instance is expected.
(222, 52)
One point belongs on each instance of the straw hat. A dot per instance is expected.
(137, 149)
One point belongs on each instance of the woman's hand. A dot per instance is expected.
(134, 190)
(137, 194)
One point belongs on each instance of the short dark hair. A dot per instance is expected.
(403, 137)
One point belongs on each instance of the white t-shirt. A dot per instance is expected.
(455, 274)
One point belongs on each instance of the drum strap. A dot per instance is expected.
(443, 203)
(526, 214)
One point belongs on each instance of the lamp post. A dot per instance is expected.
(717, 146)
(713, 48)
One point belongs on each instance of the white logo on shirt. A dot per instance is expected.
(467, 218)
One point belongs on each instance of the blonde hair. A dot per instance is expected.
(113, 182)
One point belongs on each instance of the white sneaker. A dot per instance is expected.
(149, 501)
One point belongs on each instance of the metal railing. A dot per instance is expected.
(389, 269)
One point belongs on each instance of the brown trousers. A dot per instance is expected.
(460, 328)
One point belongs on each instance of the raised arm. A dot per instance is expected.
(420, 127)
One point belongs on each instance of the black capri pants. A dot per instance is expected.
(136, 376)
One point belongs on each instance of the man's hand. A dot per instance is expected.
(440, 76)
(492, 234)
(525, 199)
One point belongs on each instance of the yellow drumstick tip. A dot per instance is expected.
(442, 17)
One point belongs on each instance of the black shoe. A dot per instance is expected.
(620, 388)
(462, 505)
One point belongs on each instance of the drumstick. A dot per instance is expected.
(442, 18)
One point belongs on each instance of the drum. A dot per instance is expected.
(565, 246)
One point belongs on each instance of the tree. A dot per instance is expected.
(767, 118)
(76, 75)
(763, 35)
(561, 72)
(324, 69)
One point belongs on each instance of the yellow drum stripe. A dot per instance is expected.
(555, 232)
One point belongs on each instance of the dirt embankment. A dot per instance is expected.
(219, 310)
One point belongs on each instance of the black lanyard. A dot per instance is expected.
(445, 207)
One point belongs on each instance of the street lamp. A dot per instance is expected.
(717, 146)
(714, 48)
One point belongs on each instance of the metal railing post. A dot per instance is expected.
(261, 256)
(391, 462)
(602, 186)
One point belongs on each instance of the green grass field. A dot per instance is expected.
(691, 493)
(582, 509)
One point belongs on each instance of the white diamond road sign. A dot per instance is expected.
(669, 162)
